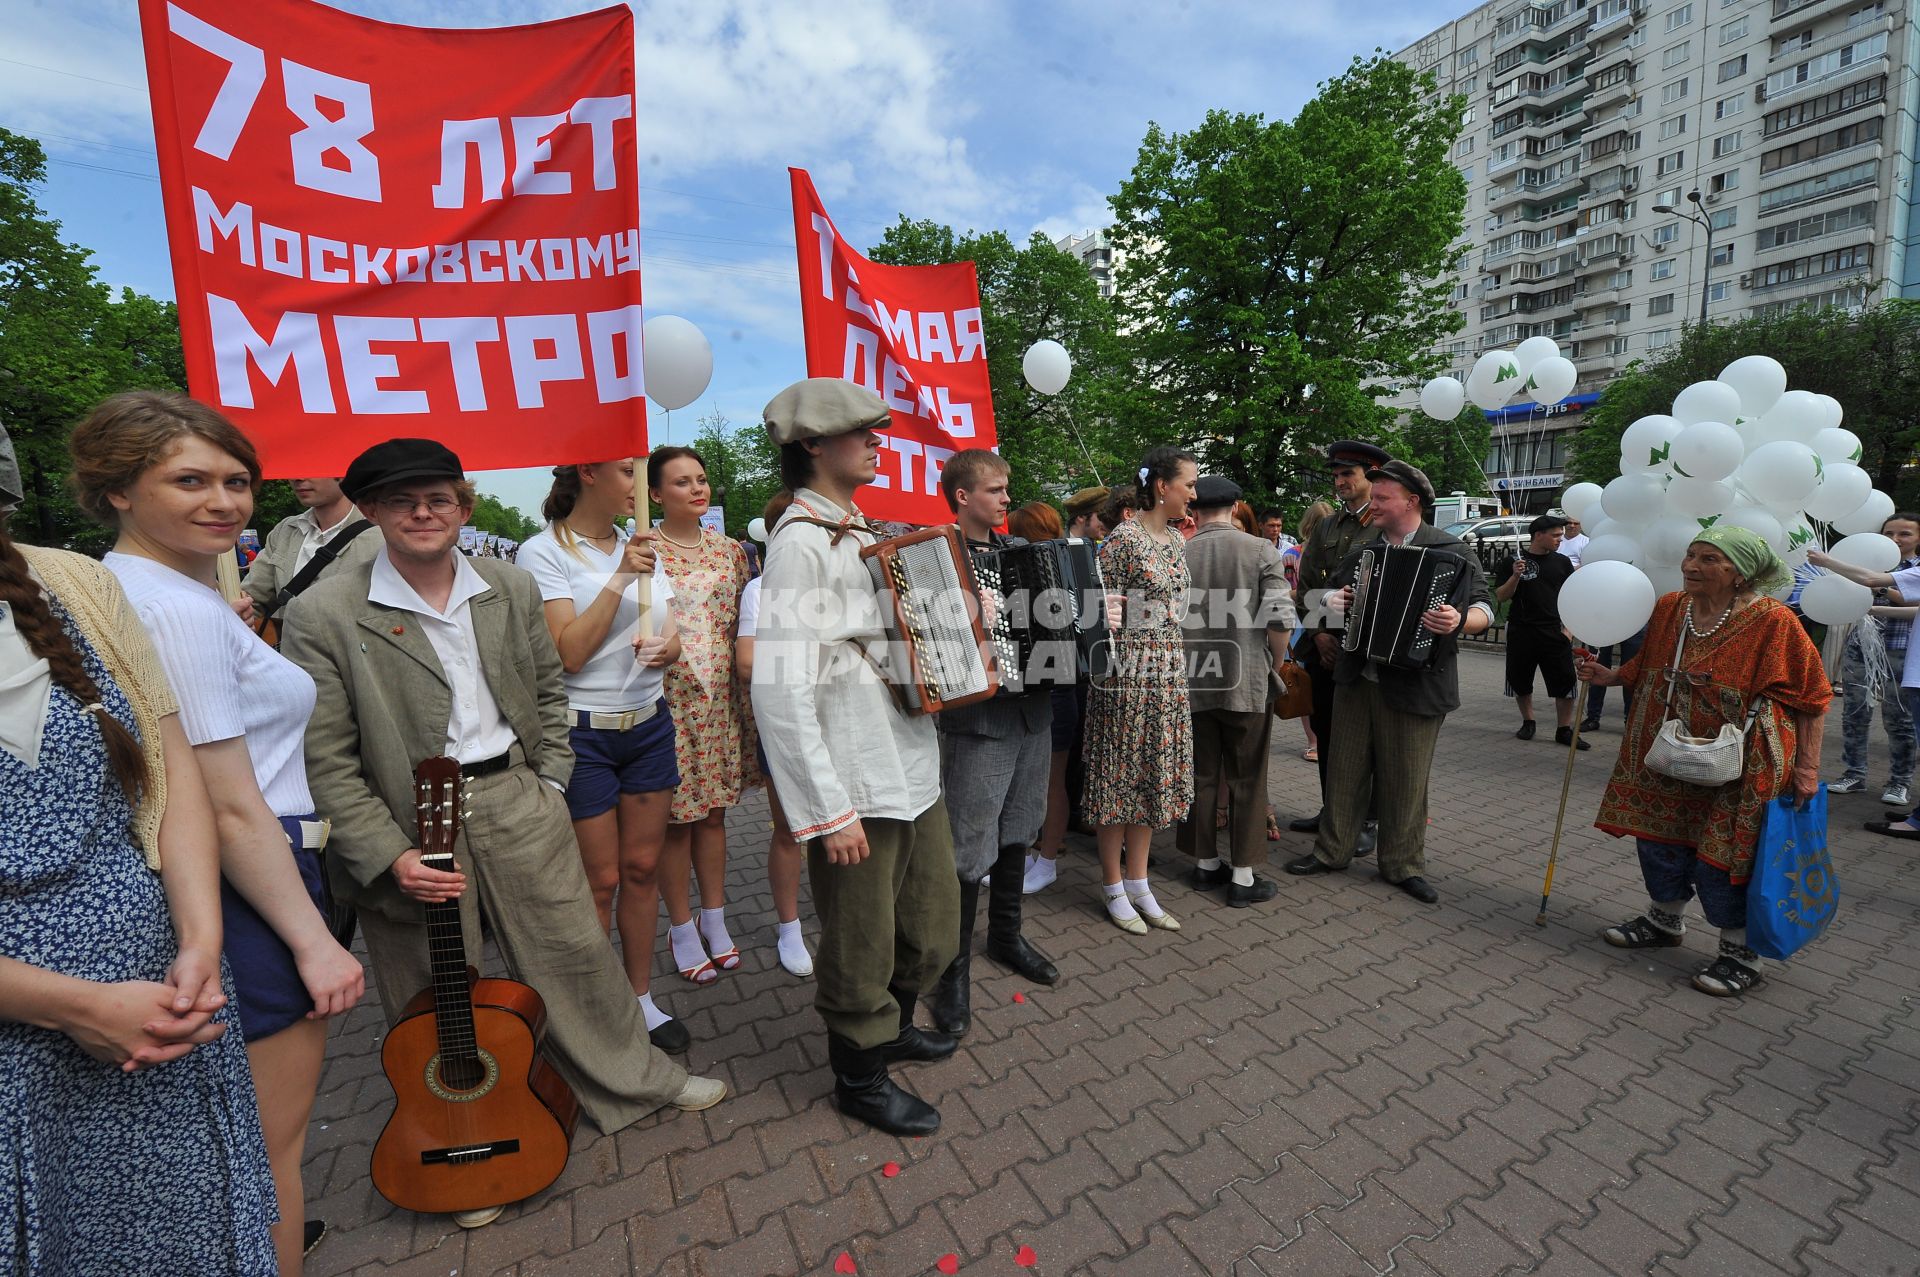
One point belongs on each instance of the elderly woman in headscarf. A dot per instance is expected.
(1717, 653)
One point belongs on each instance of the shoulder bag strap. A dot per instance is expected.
(315, 566)
(1673, 674)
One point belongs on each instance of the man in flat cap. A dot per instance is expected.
(1338, 535)
(1083, 514)
(1389, 718)
(1535, 638)
(1236, 634)
(421, 652)
(858, 778)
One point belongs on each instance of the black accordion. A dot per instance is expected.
(1050, 629)
(1393, 587)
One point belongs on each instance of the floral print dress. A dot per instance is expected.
(1139, 742)
(708, 739)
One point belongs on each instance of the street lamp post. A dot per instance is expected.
(1699, 218)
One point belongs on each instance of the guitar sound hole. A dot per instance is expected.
(462, 1075)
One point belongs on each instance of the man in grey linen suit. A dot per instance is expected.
(422, 652)
(1236, 633)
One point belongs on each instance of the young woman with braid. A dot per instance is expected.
(175, 480)
(110, 937)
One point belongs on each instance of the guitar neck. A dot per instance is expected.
(452, 996)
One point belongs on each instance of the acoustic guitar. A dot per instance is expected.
(480, 1117)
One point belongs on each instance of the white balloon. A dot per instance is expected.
(1873, 512)
(1835, 413)
(1755, 519)
(1666, 579)
(1581, 501)
(1706, 401)
(1701, 498)
(1551, 380)
(1047, 366)
(1530, 352)
(1796, 416)
(1666, 540)
(1707, 450)
(1870, 550)
(1610, 547)
(1782, 473)
(757, 529)
(1800, 538)
(1607, 528)
(1646, 445)
(676, 361)
(1633, 499)
(1494, 379)
(1837, 447)
(1758, 380)
(1832, 600)
(1606, 602)
(1442, 398)
(1842, 489)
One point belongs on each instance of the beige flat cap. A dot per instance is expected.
(820, 407)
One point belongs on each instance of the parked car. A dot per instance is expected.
(1494, 541)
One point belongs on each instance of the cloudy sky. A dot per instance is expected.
(989, 114)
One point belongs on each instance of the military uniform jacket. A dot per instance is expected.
(1339, 534)
(1434, 689)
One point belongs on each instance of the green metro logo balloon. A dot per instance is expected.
(1507, 373)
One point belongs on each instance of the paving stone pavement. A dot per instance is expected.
(1344, 1081)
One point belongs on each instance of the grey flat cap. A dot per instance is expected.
(820, 407)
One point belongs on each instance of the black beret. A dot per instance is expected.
(1212, 491)
(399, 461)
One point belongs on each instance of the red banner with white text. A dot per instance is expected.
(383, 231)
(910, 334)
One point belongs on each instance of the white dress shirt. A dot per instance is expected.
(477, 730)
(313, 536)
(26, 690)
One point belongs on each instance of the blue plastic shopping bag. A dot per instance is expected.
(1793, 894)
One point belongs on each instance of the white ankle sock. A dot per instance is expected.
(655, 1016)
(1209, 863)
(1243, 877)
(713, 929)
(792, 945)
(687, 953)
(1140, 891)
(1117, 903)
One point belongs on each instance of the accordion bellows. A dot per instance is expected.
(937, 651)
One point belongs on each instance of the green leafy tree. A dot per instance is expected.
(1280, 275)
(743, 469)
(489, 515)
(1869, 361)
(1054, 444)
(1452, 453)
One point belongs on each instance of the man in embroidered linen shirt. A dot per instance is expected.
(422, 652)
(858, 778)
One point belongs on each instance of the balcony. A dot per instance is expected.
(1601, 362)
(1807, 10)
(1602, 97)
(1634, 12)
(1854, 67)
(1833, 39)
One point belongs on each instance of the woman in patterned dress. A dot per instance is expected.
(708, 570)
(1139, 743)
(1735, 650)
(129, 1137)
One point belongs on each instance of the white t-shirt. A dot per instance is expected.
(611, 681)
(749, 609)
(227, 681)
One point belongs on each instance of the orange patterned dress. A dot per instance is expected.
(1760, 652)
(700, 686)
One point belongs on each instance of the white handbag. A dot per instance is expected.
(1697, 760)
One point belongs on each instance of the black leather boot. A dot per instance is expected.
(1005, 944)
(863, 1091)
(950, 1004)
(914, 1043)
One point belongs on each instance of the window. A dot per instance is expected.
(1720, 291)
(1466, 172)
(1613, 75)
(1723, 254)
(1661, 305)
(1735, 30)
(1723, 219)
(1607, 10)
(1720, 183)
(1814, 226)
(1674, 55)
(1726, 144)
(1466, 117)
(1813, 110)
(1673, 127)
(1659, 337)
(1620, 279)
(1666, 234)
(1864, 173)
(1465, 58)
(1465, 146)
(1839, 261)
(1618, 314)
(1674, 92)
(1680, 17)
(1661, 270)
(1733, 68)
(1827, 64)
(1810, 148)
(1670, 163)
(1669, 196)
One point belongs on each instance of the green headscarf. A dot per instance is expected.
(1752, 557)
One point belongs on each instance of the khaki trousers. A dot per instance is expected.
(891, 921)
(1380, 750)
(1229, 745)
(523, 871)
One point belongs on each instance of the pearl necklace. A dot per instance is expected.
(1712, 629)
(662, 530)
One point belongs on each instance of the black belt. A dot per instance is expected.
(487, 766)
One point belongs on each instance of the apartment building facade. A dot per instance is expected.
(1792, 121)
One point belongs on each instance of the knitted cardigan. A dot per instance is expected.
(99, 608)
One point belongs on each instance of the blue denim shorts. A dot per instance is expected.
(267, 989)
(607, 764)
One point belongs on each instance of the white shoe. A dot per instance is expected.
(477, 1218)
(1896, 796)
(794, 957)
(1162, 920)
(1041, 873)
(1847, 785)
(699, 1093)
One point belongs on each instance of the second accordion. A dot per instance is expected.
(1394, 586)
(1050, 627)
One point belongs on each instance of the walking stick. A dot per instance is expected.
(1566, 783)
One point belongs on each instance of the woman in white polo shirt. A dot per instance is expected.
(588, 568)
